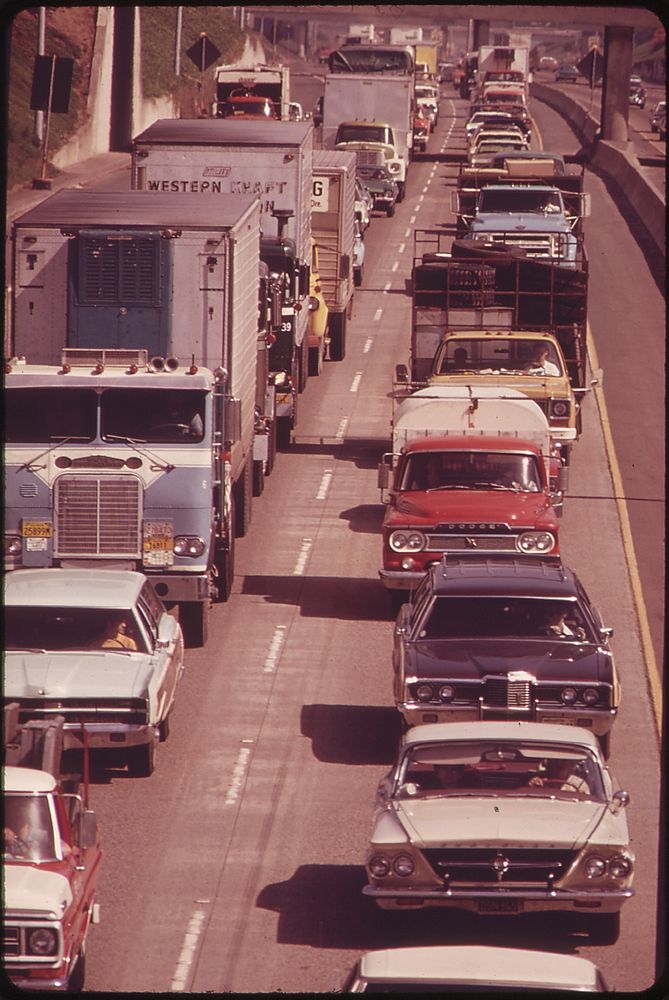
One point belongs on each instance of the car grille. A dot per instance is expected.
(98, 516)
(507, 693)
(473, 542)
(77, 710)
(11, 941)
(506, 867)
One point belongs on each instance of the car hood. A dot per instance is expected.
(376, 184)
(473, 659)
(527, 221)
(73, 675)
(30, 888)
(498, 821)
(425, 507)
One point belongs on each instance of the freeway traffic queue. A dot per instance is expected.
(153, 449)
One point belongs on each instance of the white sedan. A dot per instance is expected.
(97, 648)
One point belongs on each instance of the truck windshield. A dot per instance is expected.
(520, 200)
(153, 415)
(490, 357)
(29, 834)
(39, 414)
(361, 59)
(474, 470)
(364, 133)
(60, 629)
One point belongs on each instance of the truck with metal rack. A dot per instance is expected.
(131, 431)
(271, 161)
(252, 92)
(481, 315)
(332, 226)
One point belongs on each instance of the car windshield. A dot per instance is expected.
(28, 828)
(519, 200)
(58, 629)
(541, 618)
(506, 767)
(478, 470)
(494, 356)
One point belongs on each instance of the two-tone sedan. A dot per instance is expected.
(503, 818)
(97, 648)
(504, 638)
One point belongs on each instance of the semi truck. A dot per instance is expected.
(332, 226)
(472, 471)
(269, 160)
(131, 397)
(499, 308)
(252, 92)
(371, 112)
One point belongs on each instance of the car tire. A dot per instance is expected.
(75, 983)
(194, 621)
(400, 190)
(337, 336)
(604, 929)
(390, 210)
(258, 477)
(357, 277)
(164, 729)
(142, 761)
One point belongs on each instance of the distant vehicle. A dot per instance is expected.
(566, 73)
(637, 94)
(295, 112)
(659, 111)
(475, 968)
(548, 62)
(446, 72)
(662, 126)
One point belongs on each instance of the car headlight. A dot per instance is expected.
(407, 541)
(536, 541)
(424, 692)
(378, 865)
(446, 692)
(13, 545)
(620, 867)
(591, 696)
(568, 695)
(403, 865)
(188, 545)
(43, 941)
(595, 866)
(560, 408)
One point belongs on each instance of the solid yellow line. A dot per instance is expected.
(628, 545)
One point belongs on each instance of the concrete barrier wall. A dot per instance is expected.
(617, 165)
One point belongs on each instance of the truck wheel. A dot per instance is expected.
(390, 210)
(194, 621)
(271, 448)
(258, 477)
(401, 190)
(303, 365)
(243, 494)
(224, 560)
(284, 427)
(357, 277)
(316, 358)
(142, 760)
(75, 983)
(604, 929)
(164, 729)
(337, 336)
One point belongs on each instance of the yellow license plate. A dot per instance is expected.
(157, 544)
(37, 529)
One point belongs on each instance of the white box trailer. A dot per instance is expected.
(332, 226)
(269, 160)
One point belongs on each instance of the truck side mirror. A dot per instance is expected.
(232, 419)
(402, 374)
(563, 479)
(585, 205)
(88, 830)
(455, 202)
(344, 266)
(383, 478)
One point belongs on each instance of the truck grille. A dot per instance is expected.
(11, 941)
(471, 543)
(534, 246)
(507, 693)
(131, 712)
(98, 516)
(507, 867)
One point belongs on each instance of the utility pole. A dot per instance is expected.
(41, 50)
(177, 42)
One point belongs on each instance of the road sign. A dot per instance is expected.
(203, 53)
(52, 75)
(591, 66)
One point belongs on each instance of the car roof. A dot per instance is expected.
(456, 732)
(74, 588)
(27, 779)
(479, 963)
(524, 576)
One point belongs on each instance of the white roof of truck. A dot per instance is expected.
(223, 132)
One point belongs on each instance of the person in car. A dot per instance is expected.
(539, 364)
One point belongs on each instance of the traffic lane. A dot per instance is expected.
(633, 385)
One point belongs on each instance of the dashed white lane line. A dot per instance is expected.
(355, 384)
(401, 248)
(407, 232)
(388, 285)
(421, 197)
(238, 773)
(341, 430)
(425, 189)
(395, 266)
(187, 952)
(368, 345)
(275, 647)
(412, 219)
(324, 485)
(303, 557)
(377, 315)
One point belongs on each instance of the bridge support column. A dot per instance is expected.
(615, 86)
(480, 34)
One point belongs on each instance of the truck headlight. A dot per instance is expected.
(536, 541)
(379, 866)
(43, 941)
(403, 865)
(407, 541)
(13, 545)
(189, 545)
(595, 866)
